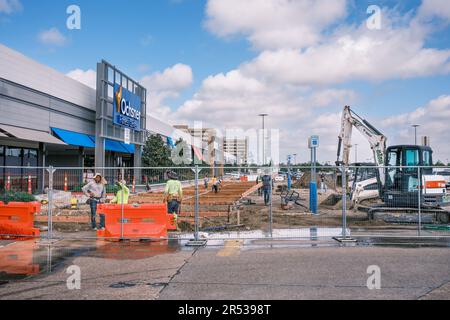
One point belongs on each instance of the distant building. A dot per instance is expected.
(212, 151)
(238, 148)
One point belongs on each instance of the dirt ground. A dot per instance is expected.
(255, 216)
(250, 214)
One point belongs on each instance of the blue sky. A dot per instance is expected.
(145, 38)
(156, 33)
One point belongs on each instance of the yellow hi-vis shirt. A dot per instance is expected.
(173, 188)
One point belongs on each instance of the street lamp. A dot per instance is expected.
(415, 126)
(263, 116)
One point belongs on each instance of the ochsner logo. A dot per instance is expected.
(124, 107)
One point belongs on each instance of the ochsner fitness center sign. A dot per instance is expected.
(127, 108)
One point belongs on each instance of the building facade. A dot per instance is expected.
(50, 119)
(238, 148)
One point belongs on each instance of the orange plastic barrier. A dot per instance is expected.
(244, 178)
(17, 220)
(147, 221)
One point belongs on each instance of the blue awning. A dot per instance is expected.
(74, 138)
(129, 147)
(88, 141)
(116, 146)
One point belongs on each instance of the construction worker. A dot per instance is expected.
(267, 187)
(215, 184)
(206, 181)
(258, 178)
(96, 191)
(173, 193)
(323, 187)
(122, 194)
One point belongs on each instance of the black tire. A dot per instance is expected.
(443, 217)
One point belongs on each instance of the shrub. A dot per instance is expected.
(16, 197)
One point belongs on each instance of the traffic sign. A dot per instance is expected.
(314, 142)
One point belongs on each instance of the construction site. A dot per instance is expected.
(224, 150)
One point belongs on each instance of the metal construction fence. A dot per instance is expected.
(235, 202)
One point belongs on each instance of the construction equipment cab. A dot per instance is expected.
(398, 179)
(408, 169)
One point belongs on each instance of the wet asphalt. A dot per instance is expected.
(226, 269)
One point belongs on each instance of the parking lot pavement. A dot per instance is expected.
(108, 271)
(312, 273)
(233, 271)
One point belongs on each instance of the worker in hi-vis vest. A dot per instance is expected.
(173, 194)
(122, 194)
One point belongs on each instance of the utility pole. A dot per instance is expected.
(263, 116)
(415, 126)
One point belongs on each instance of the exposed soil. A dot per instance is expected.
(221, 211)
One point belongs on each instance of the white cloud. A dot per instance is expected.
(304, 42)
(52, 37)
(233, 101)
(354, 54)
(433, 118)
(163, 85)
(88, 77)
(290, 79)
(273, 24)
(10, 6)
(175, 78)
(434, 8)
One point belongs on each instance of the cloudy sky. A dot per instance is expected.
(224, 61)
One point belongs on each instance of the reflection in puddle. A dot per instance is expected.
(23, 259)
(134, 250)
(17, 260)
(405, 242)
(20, 260)
(313, 234)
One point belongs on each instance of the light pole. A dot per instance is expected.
(415, 126)
(263, 116)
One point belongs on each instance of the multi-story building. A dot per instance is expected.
(238, 148)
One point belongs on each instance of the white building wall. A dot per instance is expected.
(20, 69)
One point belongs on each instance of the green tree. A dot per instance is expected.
(156, 153)
(439, 163)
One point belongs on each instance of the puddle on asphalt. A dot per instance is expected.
(24, 259)
(405, 242)
(290, 236)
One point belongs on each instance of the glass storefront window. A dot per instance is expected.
(18, 157)
(30, 158)
(2, 156)
(13, 157)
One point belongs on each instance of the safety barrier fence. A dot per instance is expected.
(226, 202)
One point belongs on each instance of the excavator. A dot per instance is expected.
(399, 173)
